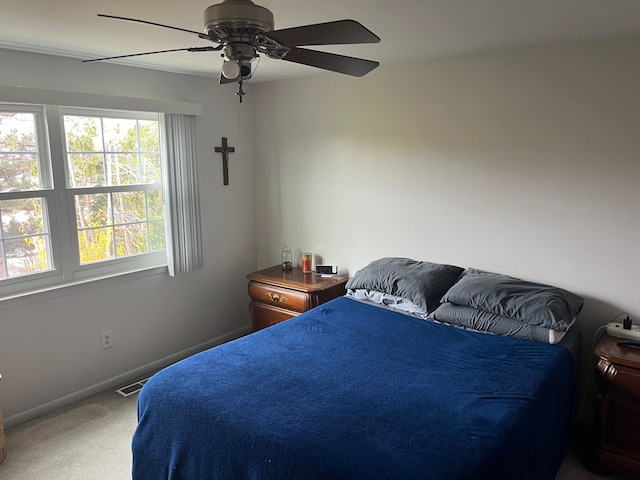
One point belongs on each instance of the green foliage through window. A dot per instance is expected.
(113, 184)
(105, 152)
(24, 238)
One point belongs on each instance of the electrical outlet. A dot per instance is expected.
(107, 339)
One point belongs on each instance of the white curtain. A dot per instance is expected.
(182, 202)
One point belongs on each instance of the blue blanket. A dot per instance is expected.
(351, 390)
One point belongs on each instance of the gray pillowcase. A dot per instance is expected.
(422, 283)
(533, 303)
(482, 321)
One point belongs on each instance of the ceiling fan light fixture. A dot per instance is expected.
(230, 69)
(245, 71)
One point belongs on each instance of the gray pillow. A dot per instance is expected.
(482, 321)
(422, 283)
(533, 303)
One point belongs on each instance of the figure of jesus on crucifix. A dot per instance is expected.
(225, 151)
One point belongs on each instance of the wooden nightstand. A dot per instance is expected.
(617, 409)
(278, 295)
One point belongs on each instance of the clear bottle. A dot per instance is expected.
(286, 258)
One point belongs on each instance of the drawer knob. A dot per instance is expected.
(276, 298)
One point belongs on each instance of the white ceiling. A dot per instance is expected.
(409, 29)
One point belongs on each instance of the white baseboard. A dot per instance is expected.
(119, 380)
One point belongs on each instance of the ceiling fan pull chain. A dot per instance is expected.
(240, 93)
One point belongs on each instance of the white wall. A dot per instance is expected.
(523, 162)
(50, 344)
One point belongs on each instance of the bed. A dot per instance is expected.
(364, 389)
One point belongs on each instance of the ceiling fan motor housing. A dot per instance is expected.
(237, 23)
(237, 17)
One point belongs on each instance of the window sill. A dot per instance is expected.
(77, 286)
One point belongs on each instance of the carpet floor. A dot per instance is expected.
(91, 440)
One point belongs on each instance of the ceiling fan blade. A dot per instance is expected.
(199, 34)
(356, 67)
(190, 49)
(339, 32)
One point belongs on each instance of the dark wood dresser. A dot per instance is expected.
(278, 295)
(616, 444)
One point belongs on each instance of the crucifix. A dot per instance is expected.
(225, 151)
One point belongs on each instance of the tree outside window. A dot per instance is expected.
(24, 236)
(106, 155)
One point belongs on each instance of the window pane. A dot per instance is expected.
(124, 169)
(96, 245)
(131, 239)
(18, 132)
(151, 168)
(24, 240)
(155, 205)
(93, 210)
(149, 136)
(83, 134)
(129, 207)
(156, 236)
(112, 151)
(19, 156)
(120, 134)
(134, 221)
(86, 169)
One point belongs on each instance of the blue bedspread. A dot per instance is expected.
(351, 390)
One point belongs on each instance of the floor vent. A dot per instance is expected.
(133, 388)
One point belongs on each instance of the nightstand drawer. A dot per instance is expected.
(265, 315)
(279, 297)
(620, 378)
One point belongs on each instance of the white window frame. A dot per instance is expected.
(60, 216)
(115, 265)
(180, 183)
(10, 286)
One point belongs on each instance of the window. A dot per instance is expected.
(24, 194)
(83, 201)
(115, 174)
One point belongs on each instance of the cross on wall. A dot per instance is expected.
(225, 150)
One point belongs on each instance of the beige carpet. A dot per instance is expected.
(91, 440)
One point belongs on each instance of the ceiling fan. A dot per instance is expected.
(242, 30)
